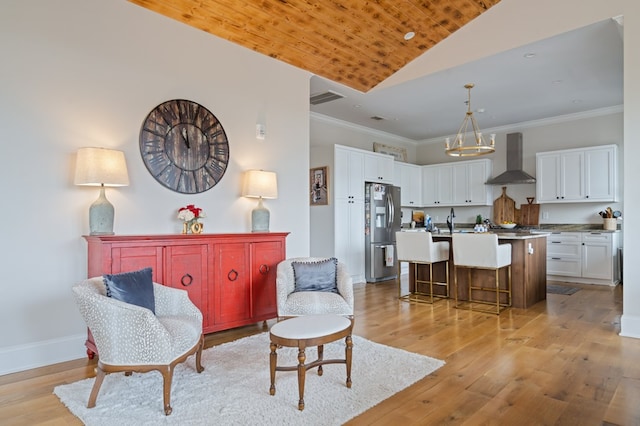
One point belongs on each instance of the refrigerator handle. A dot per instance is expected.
(391, 210)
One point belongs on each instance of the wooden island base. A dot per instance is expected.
(528, 272)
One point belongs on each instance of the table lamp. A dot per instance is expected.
(260, 184)
(101, 167)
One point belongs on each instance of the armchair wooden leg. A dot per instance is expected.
(199, 367)
(96, 387)
(167, 376)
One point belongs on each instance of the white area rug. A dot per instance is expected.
(234, 387)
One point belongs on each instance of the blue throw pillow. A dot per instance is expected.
(316, 276)
(132, 287)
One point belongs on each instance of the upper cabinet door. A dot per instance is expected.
(348, 174)
(547, 177)
(600, 174)
(409, 178)
(378, 168)
(437, 185)
(478, 192)
(572, 176)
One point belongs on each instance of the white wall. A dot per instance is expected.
(630, 320)
(81, 73)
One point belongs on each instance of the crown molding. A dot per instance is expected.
(501, 129)
(357, 127)
(542, 122)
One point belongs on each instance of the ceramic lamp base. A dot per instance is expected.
(260, 218)
(101, 215)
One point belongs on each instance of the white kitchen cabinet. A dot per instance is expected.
(409, 178)
(600, 166)
(349, 236)
(564, 254)
(437, 184)
(348, 182)
(577, 175)
(457, 184)
(583, 257)
(469, 188)
(378, 167)
(348, 211)
(598, 256)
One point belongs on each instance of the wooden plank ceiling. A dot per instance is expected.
(357, 43)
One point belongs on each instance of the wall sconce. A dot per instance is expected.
(260, 184)
(101, 167)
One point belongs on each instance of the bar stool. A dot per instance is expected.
(482, 251)
(418, 248)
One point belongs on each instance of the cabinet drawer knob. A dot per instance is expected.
(232, 275)
(186, 280)
(264, 269)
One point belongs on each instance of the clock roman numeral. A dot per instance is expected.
(151, 145)
(220, 151)
(187, 182)
(168, 114)
(216, 168)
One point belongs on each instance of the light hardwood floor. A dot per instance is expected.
(559, 363)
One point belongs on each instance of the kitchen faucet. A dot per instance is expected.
(450, 218)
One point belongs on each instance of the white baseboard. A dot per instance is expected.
(39, 354)
(630, 326)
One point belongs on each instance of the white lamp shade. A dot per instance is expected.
(100, 166)
(260, 184)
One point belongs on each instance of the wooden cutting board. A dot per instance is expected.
(504, 208)
(529, 214)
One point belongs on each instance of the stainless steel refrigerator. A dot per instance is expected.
(382, 221)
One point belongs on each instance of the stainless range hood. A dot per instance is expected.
(514, 173)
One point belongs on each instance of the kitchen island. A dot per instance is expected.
(528, 269)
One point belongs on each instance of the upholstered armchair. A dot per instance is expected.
(130, 338)
(294, 301)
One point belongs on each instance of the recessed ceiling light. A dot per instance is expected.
(480, 110)
(529, 55)
(577, 101)
(357, 106)
(408, 36)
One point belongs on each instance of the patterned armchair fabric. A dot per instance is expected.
(292, 303)
(131, 338)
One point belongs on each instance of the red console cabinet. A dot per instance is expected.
(231, 278)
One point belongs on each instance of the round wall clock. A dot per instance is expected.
(184, 146)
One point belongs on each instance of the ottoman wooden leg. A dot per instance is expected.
(273, 359)
(320, 358)
(347, 354)
(301, 374)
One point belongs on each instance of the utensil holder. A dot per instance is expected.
(610, 224)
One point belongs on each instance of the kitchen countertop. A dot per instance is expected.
(546, 228)
(502, 234)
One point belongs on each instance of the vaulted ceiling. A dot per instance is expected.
(353, 42)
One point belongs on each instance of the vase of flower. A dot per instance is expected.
(189, 216)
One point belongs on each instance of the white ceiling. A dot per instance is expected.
(578, 71)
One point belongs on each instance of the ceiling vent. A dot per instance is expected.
(323, 97)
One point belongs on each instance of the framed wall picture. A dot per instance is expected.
(400, 154)
(319, 186)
